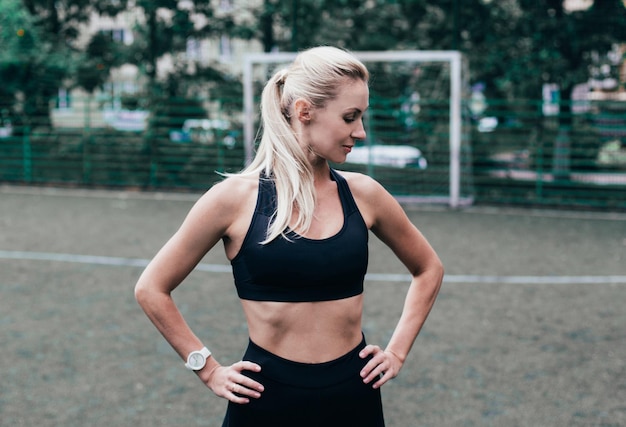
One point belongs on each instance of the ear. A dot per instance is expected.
(302, 109)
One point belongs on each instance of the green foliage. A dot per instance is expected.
(513, 46)
(17, 30)
(38, 54)
(19, 39)
(98, 59)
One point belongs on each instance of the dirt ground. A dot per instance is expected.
(528, 330)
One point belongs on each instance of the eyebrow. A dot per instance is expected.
(355, 110)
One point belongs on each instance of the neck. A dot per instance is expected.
(321, 171)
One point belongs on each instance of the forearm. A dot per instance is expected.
(417, 306)
(385, 365)
(164, 314)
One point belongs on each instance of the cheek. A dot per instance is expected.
(320, 133)
(326, 133)
(334, 129)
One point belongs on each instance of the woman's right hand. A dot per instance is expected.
(228, 382)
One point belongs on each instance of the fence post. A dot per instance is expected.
(455, 129)
(27, 156)
(369, 142)
(86, 158)
(539, 181)
(86, 141)
(153, 153)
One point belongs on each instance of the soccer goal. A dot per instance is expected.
(414, 125)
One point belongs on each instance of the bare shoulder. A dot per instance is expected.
(361, 185)
(232, 190)
(371, 197)
(226, 201)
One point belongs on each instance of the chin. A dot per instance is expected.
(338, 161)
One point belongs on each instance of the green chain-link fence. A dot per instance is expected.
(512, 154)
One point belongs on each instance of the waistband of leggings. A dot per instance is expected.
(300, 374)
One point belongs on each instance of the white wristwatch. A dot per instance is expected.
(197, 359)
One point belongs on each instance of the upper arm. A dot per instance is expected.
(389, 222)
(208, 221)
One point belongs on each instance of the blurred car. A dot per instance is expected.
(612, 154)
(6, 130)
(126, 120)
(203, 131)
(395, 156)
(487, 124)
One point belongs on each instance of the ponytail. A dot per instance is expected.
(281, 158)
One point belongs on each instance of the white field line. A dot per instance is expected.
(222, 268)
(98, 260)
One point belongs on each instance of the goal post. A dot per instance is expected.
(453, 59)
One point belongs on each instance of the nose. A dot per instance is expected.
(359, 131)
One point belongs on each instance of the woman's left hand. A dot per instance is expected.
(383, 363)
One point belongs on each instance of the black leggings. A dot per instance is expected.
(330, 394)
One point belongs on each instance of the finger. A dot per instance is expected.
(375, 367)
(235, 397)
(386, 376)
(371, 372)
(244, 380)
(249, 384)
(238, 387)
(368, 350)
(245, 365)
(241, 394)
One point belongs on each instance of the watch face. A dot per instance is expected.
(196, 360)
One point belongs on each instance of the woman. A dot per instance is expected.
(296, 231)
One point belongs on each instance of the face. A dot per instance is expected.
(331, 132)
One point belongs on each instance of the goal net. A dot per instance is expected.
(415, 143)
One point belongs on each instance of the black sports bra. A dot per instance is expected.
(298, 269)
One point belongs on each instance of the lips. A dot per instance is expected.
(347, 148)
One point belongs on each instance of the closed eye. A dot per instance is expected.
(353, 115)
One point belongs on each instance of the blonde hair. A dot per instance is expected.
(316, 76)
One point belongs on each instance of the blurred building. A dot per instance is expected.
(223, 51)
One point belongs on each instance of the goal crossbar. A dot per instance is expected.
(454, 58)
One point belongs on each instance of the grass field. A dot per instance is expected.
(529, 328)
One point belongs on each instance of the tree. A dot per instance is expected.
(169, 26)
(514, 45)
(29, 65)
(44, 54)
(566, 46)
(99, 57)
